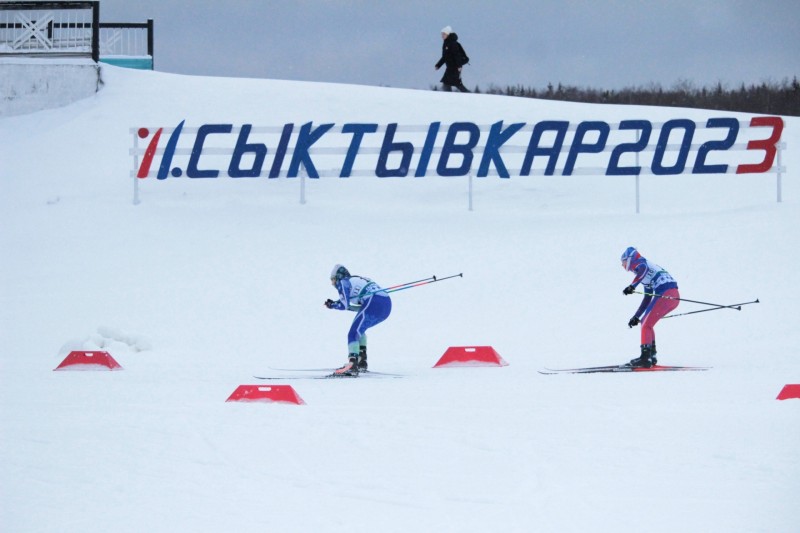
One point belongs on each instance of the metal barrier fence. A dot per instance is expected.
(126, 39)
(71, 29)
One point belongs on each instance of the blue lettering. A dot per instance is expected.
(457, 150)
(579, 147)
(305, 140)
(635, 147)
(560, 127)
(451, 148)
(700, 166)
(358, 131)
(169, 151)
(491, 154)
(683, 153)
(406, 149)
(280, 153)
(427, 150)
(204, 131)
(260, 151)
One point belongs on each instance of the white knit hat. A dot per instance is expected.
(447, 29)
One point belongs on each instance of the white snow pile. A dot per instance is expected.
(108, 339)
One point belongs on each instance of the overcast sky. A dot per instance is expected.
(604, 44)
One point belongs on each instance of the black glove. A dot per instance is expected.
(628, 290)
(329, 303)
(633, 322)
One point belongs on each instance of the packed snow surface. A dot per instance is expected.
(208, 282)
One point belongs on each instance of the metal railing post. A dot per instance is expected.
(96, 31)
(780, 192)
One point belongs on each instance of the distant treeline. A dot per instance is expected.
(766, 98)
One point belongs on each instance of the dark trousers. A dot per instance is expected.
(459, 86)
(452, 78)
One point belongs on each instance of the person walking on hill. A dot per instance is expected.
(661, 296)
(372, 306)
(454, 58)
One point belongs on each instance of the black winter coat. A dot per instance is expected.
(452, 54)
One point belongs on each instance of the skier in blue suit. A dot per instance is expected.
(372, 306)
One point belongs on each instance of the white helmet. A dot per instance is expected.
(339, 273)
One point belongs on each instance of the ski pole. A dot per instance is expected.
(720, 306)
(736, 306)
(409, 283)
(420, 283)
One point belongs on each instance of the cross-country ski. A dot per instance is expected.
(622, 368)
(330, 374)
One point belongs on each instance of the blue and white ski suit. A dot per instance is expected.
(370, 302)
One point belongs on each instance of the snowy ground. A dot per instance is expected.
(206, 283)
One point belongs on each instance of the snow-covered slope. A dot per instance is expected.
(207, 282)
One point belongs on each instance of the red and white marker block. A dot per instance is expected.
(83, 360)
(266, 394)
(470, 356)
(789, 391)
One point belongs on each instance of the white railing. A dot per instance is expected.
(49, 28)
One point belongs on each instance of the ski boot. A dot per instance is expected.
(350, 369)
(362, 359)
(645, 360)
(653, 354)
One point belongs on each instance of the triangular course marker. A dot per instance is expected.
(470, 356)
(266, 394)
(84, 360)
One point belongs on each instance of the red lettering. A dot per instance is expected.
(769, 145)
